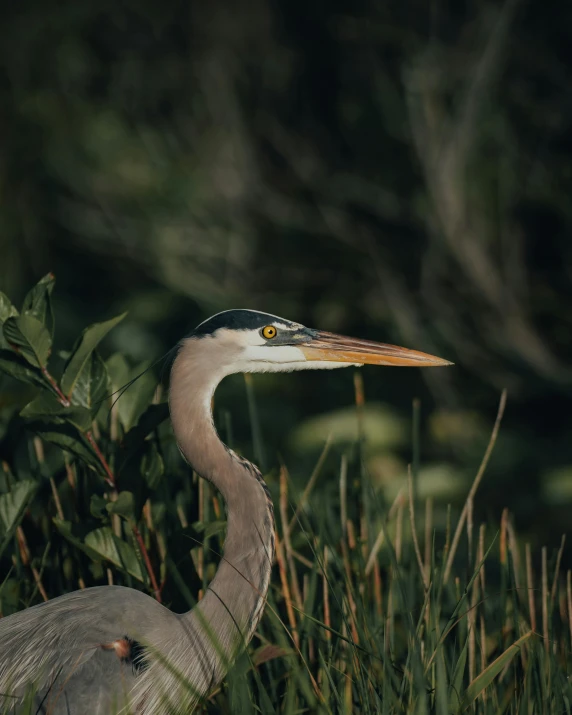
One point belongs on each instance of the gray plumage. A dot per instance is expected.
(111, 649)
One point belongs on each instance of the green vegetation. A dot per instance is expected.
(374, 607)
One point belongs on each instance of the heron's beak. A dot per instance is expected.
(338, 348)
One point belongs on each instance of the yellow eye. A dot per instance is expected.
(269, 332)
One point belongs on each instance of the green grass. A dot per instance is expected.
(409, 607)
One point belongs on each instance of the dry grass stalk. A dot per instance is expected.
(39, 450)
(530, 587)
(286, 536)
(343, 493)
(447, 547)
(305, 591)
(27, 561)
(377, 590)
(348, 573)
(70, 472)
(326, 599)
(351, 532)
(353, 613)
(286, 591)
(381, 535)
(302, 559)
(311, 483)
(389, 615)
(428, 535)
(515, 557)
(475, 486)
(480, 582)
(569, 601)
(503, 537)
(56, 497)
(399, 532)
(182, 516)
(557, 568)
(414, 530)
(470, 505)
(545, 597)
(364, 535)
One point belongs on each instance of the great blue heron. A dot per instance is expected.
(112, 649)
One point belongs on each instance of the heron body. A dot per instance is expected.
(111, 649)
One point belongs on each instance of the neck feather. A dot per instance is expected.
(225, 619)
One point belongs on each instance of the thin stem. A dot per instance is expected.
(110, 479)
(475, 486)
(414, 530)
(61, 397)
(147, 560)
(27, 561)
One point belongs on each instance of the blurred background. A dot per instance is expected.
(399, 171)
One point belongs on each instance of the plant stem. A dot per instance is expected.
(61, 397)
(110, 479)
(148, 565)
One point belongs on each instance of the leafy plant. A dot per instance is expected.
(372, 609)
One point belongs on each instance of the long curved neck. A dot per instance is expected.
(235, 597)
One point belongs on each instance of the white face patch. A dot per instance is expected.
(281, 358)
(254, 353)
(273, 353)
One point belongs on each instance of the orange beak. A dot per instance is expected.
(338, 348)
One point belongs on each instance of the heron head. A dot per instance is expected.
(250, 341)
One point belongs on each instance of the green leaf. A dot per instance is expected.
(158, 512)
(66, 436)
(7, 310)
(98, 506)
(38, 302)
(15, 366)
(118, 370)
(124, 505)
(10, 596)
(456, 687)
(132, 402)
(153, 416)
(92, 385)
(68, 530)
(79, 360)
(47, 406)
(12, 508)
(104, 542)
(485, 678)
(30, 337)
(211, 529)
(152, 466)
